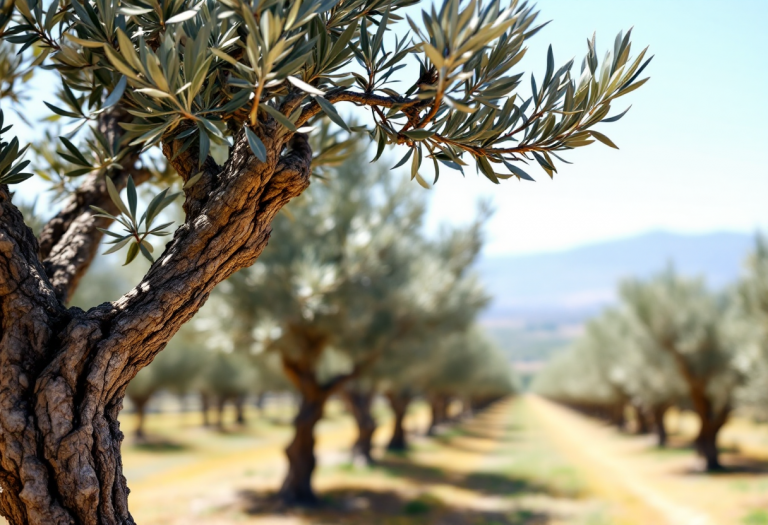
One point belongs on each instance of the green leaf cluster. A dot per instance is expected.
(132, 235)
(12, 161)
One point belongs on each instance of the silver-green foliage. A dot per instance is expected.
(202, 71)
(668, 340)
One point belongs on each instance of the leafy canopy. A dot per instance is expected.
(207, 72)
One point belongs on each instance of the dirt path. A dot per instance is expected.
(494, 468)
(639, 478)
(521, 462)
(609, 466)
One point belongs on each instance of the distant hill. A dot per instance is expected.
(541, 300)
(568, 285)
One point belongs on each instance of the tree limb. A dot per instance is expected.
(361, 99)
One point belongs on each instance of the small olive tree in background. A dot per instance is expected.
(751, 315)
(686, 322)
(352, 278)
(148, 90)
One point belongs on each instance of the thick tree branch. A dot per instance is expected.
(29, 316)
(65, 371)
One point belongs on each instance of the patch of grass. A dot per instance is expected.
(756, 517)
(160, 446)
(424, 504)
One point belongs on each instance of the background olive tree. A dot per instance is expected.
(670, 341)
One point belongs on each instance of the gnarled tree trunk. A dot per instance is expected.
(63, 372)
(359, 402)
(399, 403)
(297, 486)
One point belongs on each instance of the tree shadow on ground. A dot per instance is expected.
(478, 431)
(159, 445)
(361, 506)
(732, 465)
(485, 483)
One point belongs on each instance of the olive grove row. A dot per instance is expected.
(670, 342)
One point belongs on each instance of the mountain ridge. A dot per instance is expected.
(572, 284)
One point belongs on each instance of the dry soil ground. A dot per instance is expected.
(523, 461)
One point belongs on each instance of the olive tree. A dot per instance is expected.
(648, 375)
(436, 296)
(750, 314)
(351, 279)
(149, 89)
(628, 363)
(684, 320)
(468, 367)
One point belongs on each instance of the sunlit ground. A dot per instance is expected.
(523, 461)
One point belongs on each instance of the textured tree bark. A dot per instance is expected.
(297, 487)
(359, 402)
(399, 403)
(63, 372)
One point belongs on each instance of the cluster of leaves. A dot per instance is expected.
(203, 73)
(132, 227)
(11, 157)
(15, 70)
(473, 109)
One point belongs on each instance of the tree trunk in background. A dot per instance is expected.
(221, 403)
(260, 398)
(617, 416)
(659, 425)
(641, 420)
(140, 405)
(359, 402)
(399, 403)
(706, 441)
(466, 408)
(297, 487)
(205, 406)
(240, 410)
(437, 411)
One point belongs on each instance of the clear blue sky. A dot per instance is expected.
(690, 157)
(693, 147)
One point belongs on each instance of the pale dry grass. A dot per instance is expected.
(523, 461)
